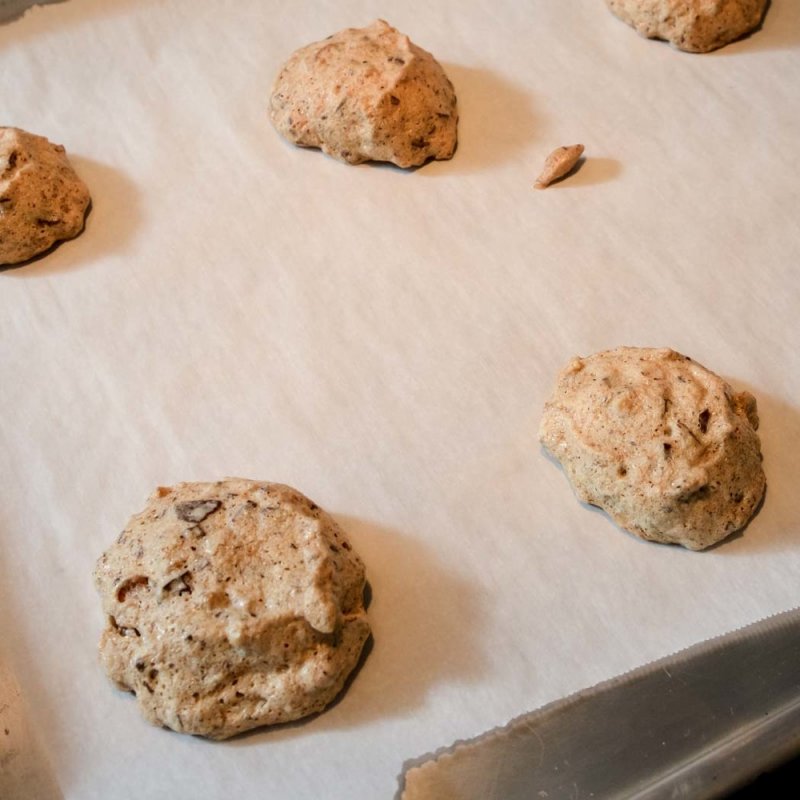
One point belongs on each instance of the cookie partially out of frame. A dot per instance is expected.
(696, 26)
(659, 442)
(367, 94)
(42, 200)
(231, 605)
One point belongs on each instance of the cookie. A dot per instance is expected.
(367, 94)
(229, 606)
(42, 200)
(659, 442)
(696, 26)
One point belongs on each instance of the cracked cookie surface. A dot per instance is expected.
(659, 442)
(696, 26)
(231, 605)
(42, 200)
(367, 94)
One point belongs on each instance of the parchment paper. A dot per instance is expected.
(384, 341)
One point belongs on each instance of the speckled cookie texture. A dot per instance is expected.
(697, 26)
(367, 94)
(42, 200)
(659, 442)
(231, 605)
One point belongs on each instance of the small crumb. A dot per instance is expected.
(558, 164)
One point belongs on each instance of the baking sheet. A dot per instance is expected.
(384, 341)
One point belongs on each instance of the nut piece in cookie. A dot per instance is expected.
(558, 164)
(367, 94)
(659, 442)
(229, 606)
(42, 200)
(696, 26)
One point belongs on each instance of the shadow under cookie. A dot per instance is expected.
(427, 626)
(110, 223)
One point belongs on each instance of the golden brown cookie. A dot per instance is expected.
(367, 94)
(660, 443)
(42, 200)
(231, 605)
(696, 26)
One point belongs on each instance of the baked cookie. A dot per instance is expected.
(367, 94)
(696, 26)
(660, 443)
(42, 200)
(231, 605)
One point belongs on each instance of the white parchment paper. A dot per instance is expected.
(384, 341)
